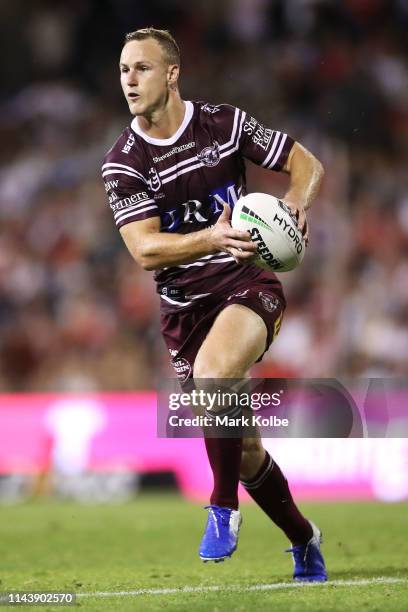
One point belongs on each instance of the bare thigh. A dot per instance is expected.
(235, 341)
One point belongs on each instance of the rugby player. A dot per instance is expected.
(171, 178)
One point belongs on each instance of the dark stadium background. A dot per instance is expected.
(76, 314)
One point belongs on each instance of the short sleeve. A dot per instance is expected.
(129, 196)
(263, 145)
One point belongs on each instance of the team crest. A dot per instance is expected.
(269, 303)
(154, 181)
(210, 156)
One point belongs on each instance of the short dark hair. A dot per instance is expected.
(163, 37)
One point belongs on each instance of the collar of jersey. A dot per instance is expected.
(188, 113)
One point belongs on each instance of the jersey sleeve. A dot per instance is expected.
(264, 146)
(129, 196)
(241, 132)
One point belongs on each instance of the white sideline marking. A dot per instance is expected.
(253, 587)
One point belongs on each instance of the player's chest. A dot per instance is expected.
(189, 185)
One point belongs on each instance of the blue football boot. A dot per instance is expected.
(221, 534)
(308, 560)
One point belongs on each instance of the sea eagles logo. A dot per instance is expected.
(154, 181)
(210, 156)
(269, 303)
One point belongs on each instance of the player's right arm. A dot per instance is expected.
(137, 216)
(153, 249)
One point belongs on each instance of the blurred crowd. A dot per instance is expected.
(75, 311)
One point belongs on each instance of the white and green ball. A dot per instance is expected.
(273, 227)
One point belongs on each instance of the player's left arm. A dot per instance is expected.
(277, 151)
(306, 173)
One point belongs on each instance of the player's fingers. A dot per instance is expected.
(225, 214)
(242, 257)
(304, 226)
(246, 254)
(297, 213)
(239, 244)
(238, 234)
(306, 236)
(234, 253)
(302, 222)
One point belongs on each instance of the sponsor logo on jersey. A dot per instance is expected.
(191, 212)
(111, 185)
(112, 197)
(182, 368)
(194, 211)
(227, 194)
(174, 150)
(173, 352)
(175, 293)
(154, 181)
(135, 198)
(210, 108)
(261, 135)
(129, 143)
(269, 302)
(188, 213)
(210, 156)
(250, 125)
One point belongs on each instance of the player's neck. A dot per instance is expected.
(164, 122)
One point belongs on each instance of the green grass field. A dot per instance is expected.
(152, 543)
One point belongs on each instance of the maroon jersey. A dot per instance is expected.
(184, 180)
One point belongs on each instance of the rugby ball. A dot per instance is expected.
(273, 227)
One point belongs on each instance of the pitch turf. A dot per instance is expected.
(152, 543)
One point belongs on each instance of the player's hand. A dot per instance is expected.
(301, 219)
(238, 243)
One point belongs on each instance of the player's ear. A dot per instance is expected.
(173, 72)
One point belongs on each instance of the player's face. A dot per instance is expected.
(144, 76)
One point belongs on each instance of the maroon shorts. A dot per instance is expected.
(185, 331)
